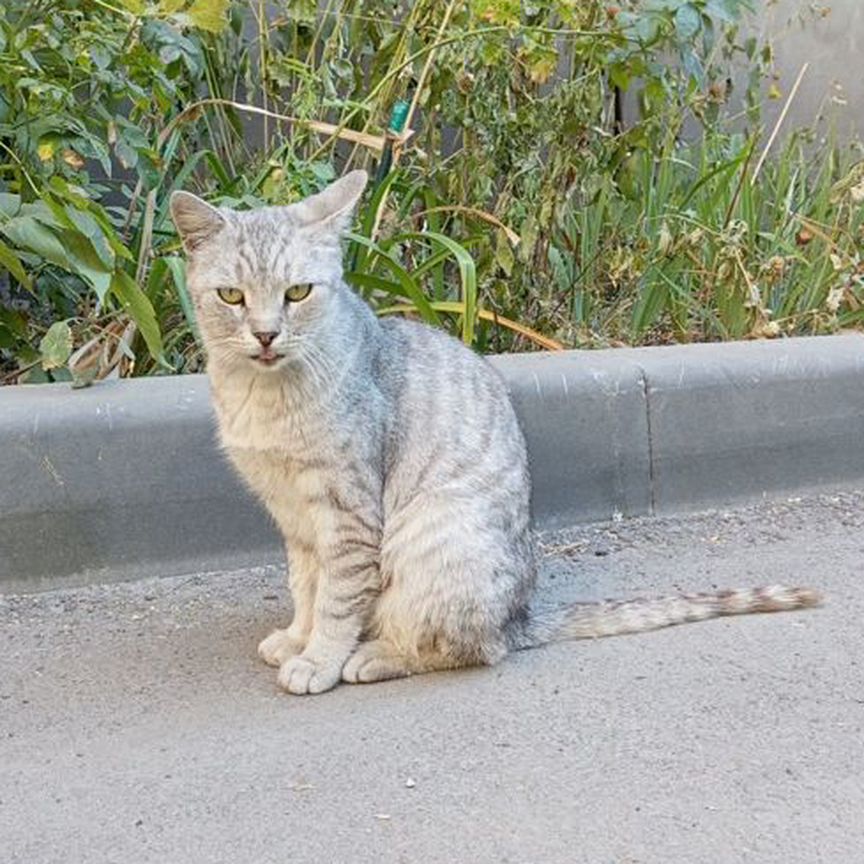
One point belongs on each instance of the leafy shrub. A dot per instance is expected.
(527, 196)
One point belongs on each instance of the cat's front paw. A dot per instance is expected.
(303, 676)
(279, 646)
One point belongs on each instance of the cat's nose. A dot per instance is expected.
(265, 337)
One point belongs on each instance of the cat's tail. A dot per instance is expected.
(616, 617)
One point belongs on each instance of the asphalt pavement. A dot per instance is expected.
(137, 724)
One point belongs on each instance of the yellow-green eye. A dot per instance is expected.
(231, 296)
(296, 293)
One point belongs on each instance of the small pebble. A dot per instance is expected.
(410, 783)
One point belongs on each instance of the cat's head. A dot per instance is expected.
(263, 281)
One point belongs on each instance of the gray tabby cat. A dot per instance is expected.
(389, 456)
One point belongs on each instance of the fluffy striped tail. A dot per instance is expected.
(616, 617)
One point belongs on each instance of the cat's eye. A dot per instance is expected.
(231, 296)
(296, 293)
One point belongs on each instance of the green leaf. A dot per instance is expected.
(15, 326)
(137, 304)
(56, 345)
(467, 274)
(177, 268)
(688, 22)
(693, 66)
(149, 170)
(210, 15)
(32, 236)
(504, 256)
(409, 285)
(44, 212)
(359, 252)
(560, 272)
(529, 233)
(727, 10)
(9, 204)
(647, 28)
(367, 283)
(84, 262)
(103, 229)
(619, 75)
(35, 376)
(12, 263)
(125, 153)
(218, 168)
(92, 230)
(651, 302)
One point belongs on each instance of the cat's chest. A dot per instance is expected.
(271, 444)
(280, 477)
(267, 419)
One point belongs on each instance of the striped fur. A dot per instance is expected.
(389, 456)
(638, 615)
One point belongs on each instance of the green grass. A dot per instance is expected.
(698, 249)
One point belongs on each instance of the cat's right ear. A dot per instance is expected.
(334, 206)
(195, 220)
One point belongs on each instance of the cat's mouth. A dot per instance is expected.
(267, 357)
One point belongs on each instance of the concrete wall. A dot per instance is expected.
(124, 480)
(834, 46)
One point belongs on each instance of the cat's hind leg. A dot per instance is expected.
(376, 660)
(381, 660)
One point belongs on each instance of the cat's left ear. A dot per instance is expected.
(335, 205)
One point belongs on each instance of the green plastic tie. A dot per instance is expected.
(398, 116)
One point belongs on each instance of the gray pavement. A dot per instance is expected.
(136, 724)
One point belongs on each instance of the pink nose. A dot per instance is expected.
(265, 338)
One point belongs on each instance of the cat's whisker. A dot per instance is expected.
(321, 368)
(316, 363)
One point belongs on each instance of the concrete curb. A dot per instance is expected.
(123, 479)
